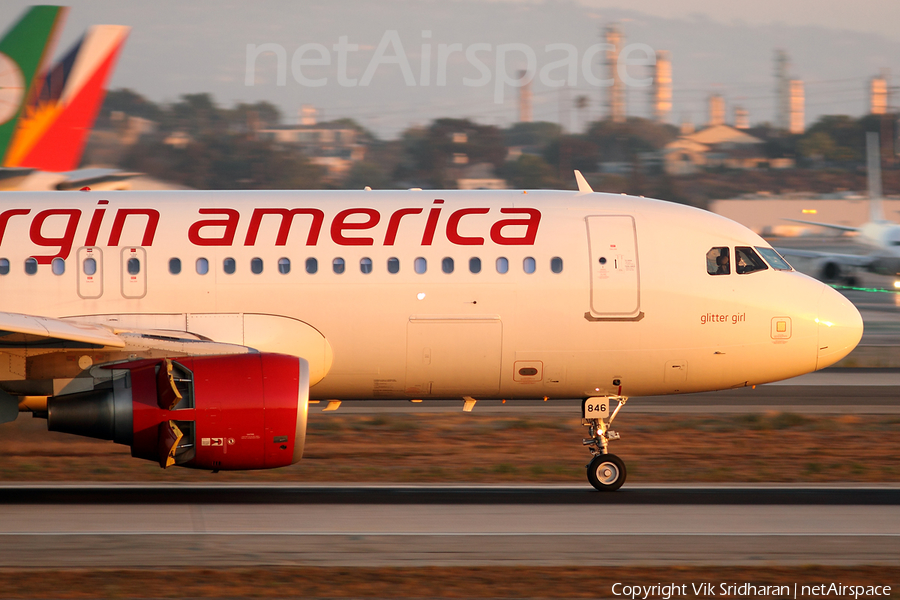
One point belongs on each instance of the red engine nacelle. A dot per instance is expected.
(244, 411)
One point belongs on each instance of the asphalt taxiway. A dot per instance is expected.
(215, 526)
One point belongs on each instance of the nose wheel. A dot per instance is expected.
(606, 472)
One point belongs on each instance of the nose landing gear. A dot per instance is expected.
(606, 472)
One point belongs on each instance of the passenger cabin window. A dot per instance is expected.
(775, 260)
(256, 266)
(718, 261)
(4, 266)
(529, 265)
(474, 265)
(556, 264)
(746, 260)
(502, 265)
(338, 265)
(284, 265)
(58, 266)
(365, 265)
(134, 266)
(202, 266)
(420, 265)
(312, 266)
(393, 265)
(89, 266)
(174, 266)
(229, 265)
(447, 265)
(30, 266)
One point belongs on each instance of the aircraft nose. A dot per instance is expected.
(840, 328)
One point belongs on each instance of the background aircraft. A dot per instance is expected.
(43, 140)
(23, 50)
(879, 235)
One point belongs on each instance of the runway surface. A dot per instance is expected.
(137, 526)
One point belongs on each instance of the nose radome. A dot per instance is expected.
(840, 328)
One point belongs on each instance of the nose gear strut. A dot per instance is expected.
(605, 471)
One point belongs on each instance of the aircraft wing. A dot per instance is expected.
(827, 225)
(850, 260)
(25, 332)
(28, 331)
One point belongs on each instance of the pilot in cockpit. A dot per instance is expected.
(724, 267)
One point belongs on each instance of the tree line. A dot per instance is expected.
(222, 149)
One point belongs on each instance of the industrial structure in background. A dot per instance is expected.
(616, 110)
(790, 93)
(797, 100)
(879, 99)
(716, 110)
(525, 115)
(790, 99)
(662, 87)
(782, 90)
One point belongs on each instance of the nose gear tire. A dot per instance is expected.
(606, 472)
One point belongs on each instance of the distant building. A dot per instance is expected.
(716, 146)
(480, 177)
(308, 115)
(332, 146)
(130, 128)
(178, 139)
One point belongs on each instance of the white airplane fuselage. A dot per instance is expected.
(883, 237)
(632, 310)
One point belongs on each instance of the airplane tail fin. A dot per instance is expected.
(873, 154)
(53, 131)
(22, 52)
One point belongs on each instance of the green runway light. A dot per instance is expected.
(862, 289)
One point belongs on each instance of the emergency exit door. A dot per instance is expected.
(134, 272)
(615, 273)
(90, 272)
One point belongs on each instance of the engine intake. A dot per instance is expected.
(233, 412)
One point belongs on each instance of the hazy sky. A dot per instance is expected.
(179, 47)
(866, 16)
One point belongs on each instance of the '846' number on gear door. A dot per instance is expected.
(595, 408)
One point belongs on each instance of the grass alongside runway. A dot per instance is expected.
(473, 448)
(436, 582)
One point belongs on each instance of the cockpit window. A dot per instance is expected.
(747, 261)
(718, 261)
(775, 260)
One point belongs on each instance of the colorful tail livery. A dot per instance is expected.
(53, 129)
(22, 52)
